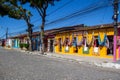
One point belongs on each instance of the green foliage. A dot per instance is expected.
(40, 5)
(24, 45)
(21, 45)
(4, 9)
(13, 9)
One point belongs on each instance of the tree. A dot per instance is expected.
(4, 9)
(41, 6)
(13, 10)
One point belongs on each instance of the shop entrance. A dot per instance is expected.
(110, 49)
(51, 45)
(60, 45)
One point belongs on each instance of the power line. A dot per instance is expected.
(80, 12)
(60, 7)
(69, 15)
(55, 11)
(52, 11)
(91, 8)
(2, 36)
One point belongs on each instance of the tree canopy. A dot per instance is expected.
(41, 6)
(12, 9)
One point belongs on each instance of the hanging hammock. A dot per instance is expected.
(63, 43)
(102, 43)
(80, 43)
(67, 49)
(66, 42)
(70, 42)
(85, 48)
(55, 43)
(90, 42)
(95, 48)
(74, 43)
(105, 41)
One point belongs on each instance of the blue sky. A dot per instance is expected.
(88, 12)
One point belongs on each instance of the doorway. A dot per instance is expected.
(110, 49)
(51, 45)
(60, 45)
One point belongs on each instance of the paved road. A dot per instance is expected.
(20, 66)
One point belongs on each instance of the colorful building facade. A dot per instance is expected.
(94, 41)
(81, 40)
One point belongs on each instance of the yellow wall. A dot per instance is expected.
(102, 49)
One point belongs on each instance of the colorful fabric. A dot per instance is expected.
(80, 43)
(85, 48)
(90, 42)
(67, 49)
(74, 42)
(105, 41)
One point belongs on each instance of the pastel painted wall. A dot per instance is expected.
(16, 43)
(9, 43)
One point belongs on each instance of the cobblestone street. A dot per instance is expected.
(15, 65)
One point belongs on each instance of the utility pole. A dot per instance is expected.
(7, 33)
(115, 18)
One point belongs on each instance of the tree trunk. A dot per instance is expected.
(30, 42)
(42, 37)
(29, 34)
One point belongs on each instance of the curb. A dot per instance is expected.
(108, 65)
(103, 64)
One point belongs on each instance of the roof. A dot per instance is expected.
(80, 27)
(66, 29)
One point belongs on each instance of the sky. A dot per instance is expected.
(64, 13)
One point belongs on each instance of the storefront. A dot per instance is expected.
(94, 41)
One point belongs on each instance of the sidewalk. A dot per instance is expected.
(100, 62)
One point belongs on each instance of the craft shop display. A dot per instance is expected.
(55, 43)
(89, 39)
(85, 47)
(104, 42)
